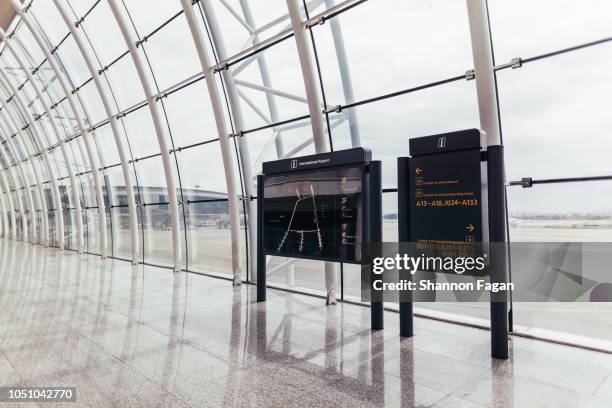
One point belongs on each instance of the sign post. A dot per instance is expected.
(320, 207)
(499, 261)
(440, 202)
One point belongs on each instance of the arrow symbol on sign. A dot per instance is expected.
(418, 170)
(470, 228)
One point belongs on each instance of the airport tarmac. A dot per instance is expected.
(210, 252)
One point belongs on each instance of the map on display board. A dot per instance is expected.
(315, 214)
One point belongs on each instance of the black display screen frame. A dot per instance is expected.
(365, 210)
(358, 157)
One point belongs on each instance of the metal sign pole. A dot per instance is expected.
(403, 189)
(497, 236)
(261, 256)
(375, 208)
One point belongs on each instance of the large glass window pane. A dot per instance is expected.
(560, 213)
(70, 229)
(523, 28)
(47, 15)
(202, 169)
(119, 223)
(32, 55)
(190, 115)
(92, 226)
(157, 234)
(103, 33)
(419, 42)
(125, 83)
(141, 133)
(90, 98)
(262, 144)
(147, 18)
(70, 59)
(554, 115)
(287, 86)
(152, 180)
(79, 7)
(386, 126)
(208, 237)
(268, 18)
(301, 274)
(105, 143)
(172, 55)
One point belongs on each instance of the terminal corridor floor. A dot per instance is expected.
(144, 336)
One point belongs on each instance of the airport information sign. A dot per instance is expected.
(313, 206)
(445, 195)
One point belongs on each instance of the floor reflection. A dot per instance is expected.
(144, 336)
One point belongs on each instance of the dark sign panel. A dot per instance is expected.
(445, 196)
(313, 206)
(446, 142)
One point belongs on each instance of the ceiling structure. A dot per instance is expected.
(7, 13)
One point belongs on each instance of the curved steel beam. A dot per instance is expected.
(159, 130)
(27, 115)
(271, 101)
(27, 187)
(3, 217)
(482, 53)
(113, 121)
(5, 188)
(18, 187)
(316, 117)
(236, 111)
(18, 141)
(345, 75)
(226, 149)
(265, 78)
(26, 18)
(61, 142)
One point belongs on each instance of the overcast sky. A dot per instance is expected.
(555, 113)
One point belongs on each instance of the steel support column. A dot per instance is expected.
(43, 237)
(483, 70)
(488, 109)
(159, 129)
(272, 108)
(113, 121)
(5, 187)
(60, 141)
(243, 145)
(81, 127)
(316, 117)
(4, 217)
(345, 75)
(27, 115)
(226, 148)
(5, 115)
(17, 186)
(20, 164)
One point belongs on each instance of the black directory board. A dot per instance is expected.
(445, 193)
(446, 197)
(313, 206)
(440, 203)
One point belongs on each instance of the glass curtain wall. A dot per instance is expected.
(387, 71)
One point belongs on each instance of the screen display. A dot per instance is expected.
(314, 214)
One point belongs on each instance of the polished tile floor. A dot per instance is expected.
(143, 336)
